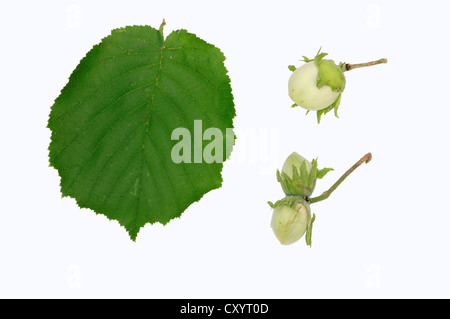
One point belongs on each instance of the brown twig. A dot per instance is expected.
(365, 159)
(349, 66)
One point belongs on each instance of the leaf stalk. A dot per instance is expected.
(161, 27)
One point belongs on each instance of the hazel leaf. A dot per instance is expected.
(111, 125)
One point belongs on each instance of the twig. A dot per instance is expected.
(365, 159)
(349, 66)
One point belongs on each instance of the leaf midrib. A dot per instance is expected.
(143, 143)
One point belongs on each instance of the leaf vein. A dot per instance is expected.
(193, 98)
(182, 118)
(99, 89)
(120, 174)
(197, 73)
(89, 125)
(100, 143)
(165, 170)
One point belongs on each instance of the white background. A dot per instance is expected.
(385, 233)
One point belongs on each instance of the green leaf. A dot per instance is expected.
(292, 68)
(112, 125)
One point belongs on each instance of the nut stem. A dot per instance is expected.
(365, 159)
(349, 66)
